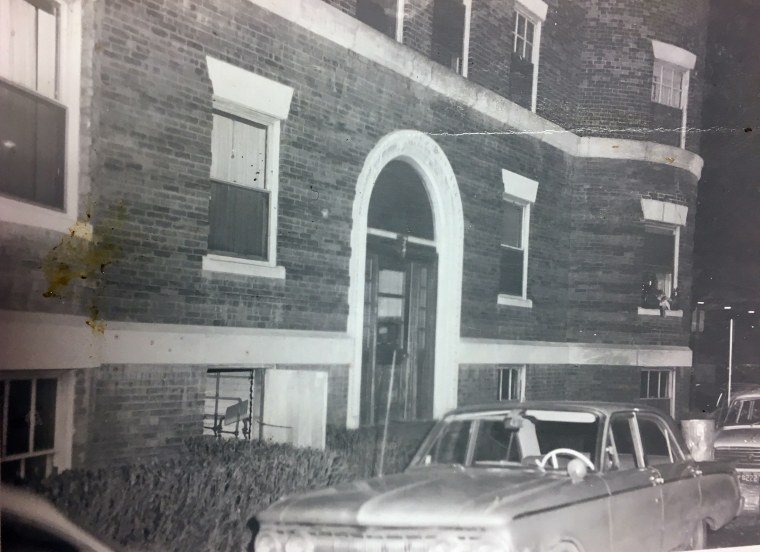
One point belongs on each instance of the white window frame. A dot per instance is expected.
(64, 414)
(670, 385)
(18, 211)
(667, 217)
(670, 55)
(520, 191)
(517, 371)
(265, 102)
(535, 12)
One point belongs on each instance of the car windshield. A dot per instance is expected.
(511, 438)
(743, 412)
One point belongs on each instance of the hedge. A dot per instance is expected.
(203, 499)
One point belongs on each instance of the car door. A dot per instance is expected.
(635, 497)
(680, 479)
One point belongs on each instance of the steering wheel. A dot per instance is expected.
(564, 452)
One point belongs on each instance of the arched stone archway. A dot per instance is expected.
(429, 161)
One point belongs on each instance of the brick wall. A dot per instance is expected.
(478, 384)
(126, 413)
(491, 43)
(607, 245)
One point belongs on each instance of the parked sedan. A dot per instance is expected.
(29, 523)
(537, 476)
(738, 442)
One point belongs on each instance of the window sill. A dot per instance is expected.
(513, 301)
(20, 212)
(245, 267)
(656, 312)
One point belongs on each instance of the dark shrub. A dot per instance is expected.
(202, 499)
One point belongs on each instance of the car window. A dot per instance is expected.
(654, 440)
(18, 536)
(496, 443)
(749, 413)
(620, 453)
(451, 447)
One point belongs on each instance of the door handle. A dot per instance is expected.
(656, 480)
(695, 471)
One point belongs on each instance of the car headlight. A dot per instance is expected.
(298, 542)
(267, 542)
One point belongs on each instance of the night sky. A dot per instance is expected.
(727, 243)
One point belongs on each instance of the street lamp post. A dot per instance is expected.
(730, 358)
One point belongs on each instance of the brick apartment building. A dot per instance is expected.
(253, 203)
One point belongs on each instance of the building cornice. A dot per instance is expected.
(343, 30)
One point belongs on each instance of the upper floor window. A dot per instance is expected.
(245, 142)
(519, 195)
(523, 78)
(38, 99)
(449, 28)
(386, 16)
(670, 79)
(660, 256)
(667, 84)
(525, 28)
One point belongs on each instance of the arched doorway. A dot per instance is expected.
(413, 229)
(398, 346)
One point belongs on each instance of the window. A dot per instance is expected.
(659, 447)
(245, 146)
(386, 16)
(667, 84)
(239, 209)
(660, 256)
(655, 384)
(512, 249)
(524, 34)
(511, 383)
(519, 195)
(449, 27)
(659, 261)
(670, 79)
(28, 418)
(526, 42)
(620, 452)
(39, 95)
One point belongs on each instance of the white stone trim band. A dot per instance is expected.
(40, 341)
(491, 351)
(340, 28)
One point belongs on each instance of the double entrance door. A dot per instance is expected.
(399, 331)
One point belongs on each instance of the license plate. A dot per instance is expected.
(753, 478)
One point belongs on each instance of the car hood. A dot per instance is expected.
(439, 496)
(740, 436)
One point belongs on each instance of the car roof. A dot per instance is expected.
(597, 407)
(746, 393)
(37, 511)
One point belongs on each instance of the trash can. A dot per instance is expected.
(699, 436)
